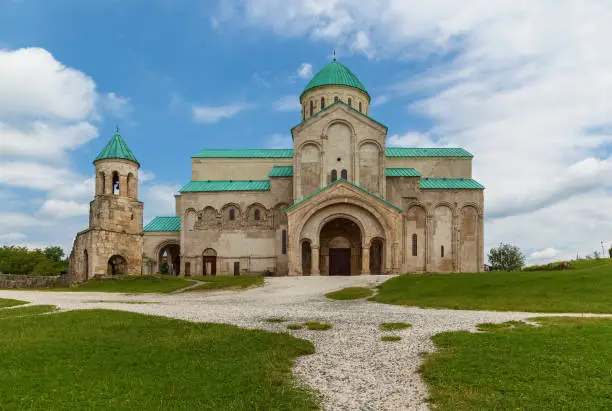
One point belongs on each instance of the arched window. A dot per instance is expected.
(232, 214)
(322, 103)
(335, 99)
(311, 107)
(334, 175)
(360, 107)
(116, 183)
(442, 251)
(414, 245)
(284, 242)
(344, 174)
(257, 214)
(350, 102)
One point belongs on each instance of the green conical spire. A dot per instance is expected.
(335, 73)
(116, 148)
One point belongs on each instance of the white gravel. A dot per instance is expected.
(352, 368)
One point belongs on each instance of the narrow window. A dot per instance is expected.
(360, 107)
(116, 183)
(187, 269)
(344, 174)
(284, 242)
(311, 107)
(334, 175)
(335, 99)
(322, 103)
(350, 102)
(257, 214)
(442, 251)
(414, 245)
(232, 214)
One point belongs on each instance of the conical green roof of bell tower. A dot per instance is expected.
(335, 73)
(118, 149)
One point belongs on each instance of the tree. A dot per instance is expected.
(506, 257)
(610, 252)
(54, 254)
(596, 255)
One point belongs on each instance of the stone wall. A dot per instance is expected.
(31, 281)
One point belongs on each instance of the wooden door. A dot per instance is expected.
(339, 261)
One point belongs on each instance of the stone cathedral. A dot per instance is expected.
(340, 202)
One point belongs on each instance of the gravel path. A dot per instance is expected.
(352, 367)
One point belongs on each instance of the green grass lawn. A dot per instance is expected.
(133, 284)
(564, 364)
(98, 359)
(29, 310)
(228, 282)
(350, 293)
(7, 302)
(587, 288)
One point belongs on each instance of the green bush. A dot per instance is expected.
(20, 260)
(560, 265)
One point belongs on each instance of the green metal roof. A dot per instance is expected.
(195, 186)
(451, 184)
(336, 182)
(426, 152)
(164, 224)
(248, 153)
(335, 73)
(116, 148)
(281, 171)
(288, 153)
(401, 172)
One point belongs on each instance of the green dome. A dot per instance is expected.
(335, 73)
(116, 148)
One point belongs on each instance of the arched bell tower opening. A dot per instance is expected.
(340, 242)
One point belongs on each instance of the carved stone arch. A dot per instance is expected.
(227, 207)
(251, 209)
(344, 216)
(475, 205)
(165, 243)
(448, 204)
(307, 142)
(370, 140)
(325, 131)
(371, 165)
(309, 168)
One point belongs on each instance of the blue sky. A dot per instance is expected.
(523, 93)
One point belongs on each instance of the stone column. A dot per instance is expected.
(429, 232)
(314, 269)
(108, 183)
(123, 186)
(365, 261)
(395, 247)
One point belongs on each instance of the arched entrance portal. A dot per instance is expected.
(116, 265)
(340, 245)
(169, 260)
(209, 262)
(376, 256)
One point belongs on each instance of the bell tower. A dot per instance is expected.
(116, 206)
(112, 244)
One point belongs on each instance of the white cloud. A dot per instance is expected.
(287, 103)
(545, 254)
(144, 176)
(379, 100)
(279, 140)
(214, 114)
(305, 71)
(522, 85)
(34, 84)
(11, 237)
(44, 140)
(411, 139)
(159, 200)
(117, 105)
(33, 175)
(63, 209)
(10, 220)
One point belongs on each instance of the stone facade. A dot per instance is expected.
(334, 209)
